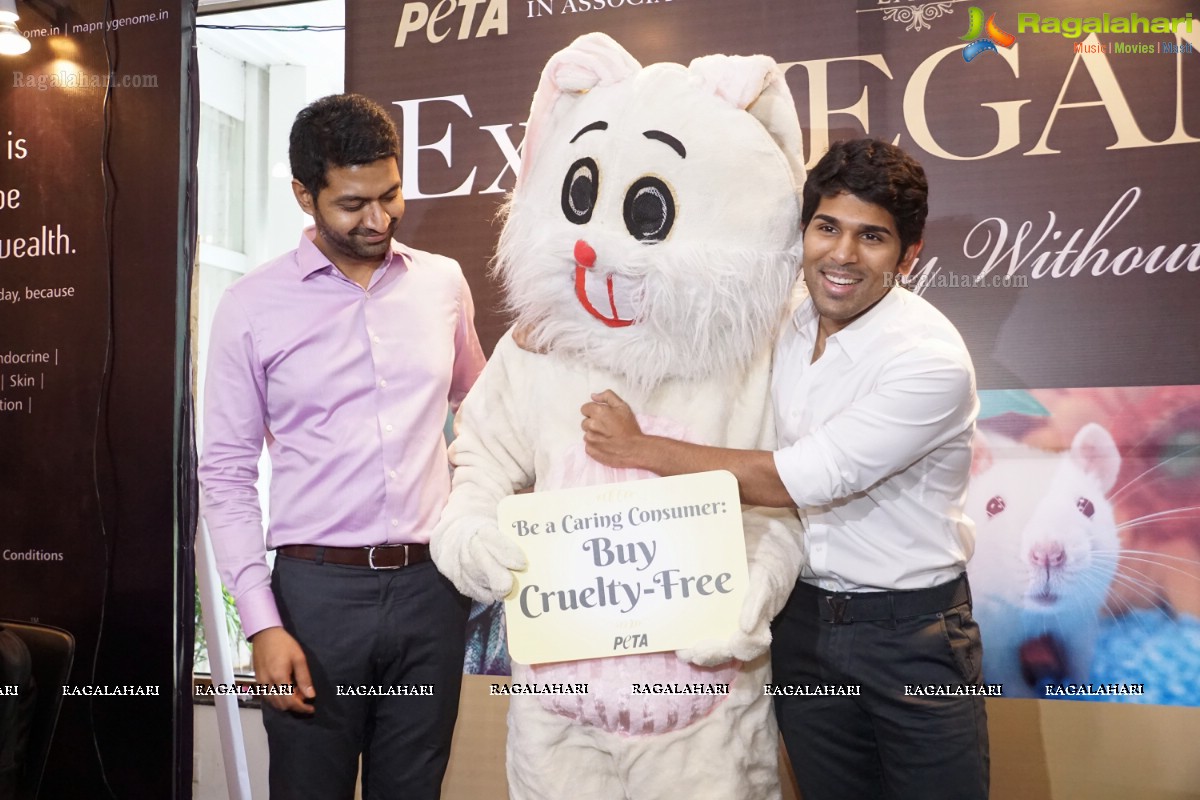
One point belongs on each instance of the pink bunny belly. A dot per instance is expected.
(614, 705)
(611, 703)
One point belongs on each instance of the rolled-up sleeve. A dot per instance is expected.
(922, 399)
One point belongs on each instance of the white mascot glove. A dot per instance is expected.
(774, 555)
(752, 638)
(476, 557)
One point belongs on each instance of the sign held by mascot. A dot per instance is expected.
(635, 567)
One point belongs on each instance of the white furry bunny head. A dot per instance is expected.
(655, 227)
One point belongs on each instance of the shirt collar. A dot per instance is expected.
(310, 259)
(856, 338)
(800, 306)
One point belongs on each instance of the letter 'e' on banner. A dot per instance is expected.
(634, 567)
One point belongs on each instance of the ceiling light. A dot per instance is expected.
(12, 43)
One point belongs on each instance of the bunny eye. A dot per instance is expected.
(995, 506)
(579, 191)
(649, 210)
(1085, 507)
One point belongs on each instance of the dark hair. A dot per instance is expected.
(341, 130)
(875, 172)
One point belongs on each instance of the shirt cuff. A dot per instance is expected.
(789, 465)
(257, 610)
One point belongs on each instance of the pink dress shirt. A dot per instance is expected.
(349, 388)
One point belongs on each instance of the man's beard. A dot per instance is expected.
(354, 245)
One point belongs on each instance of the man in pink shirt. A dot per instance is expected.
(343, 356)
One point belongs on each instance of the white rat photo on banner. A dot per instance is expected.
(649, 247)
(1086, 572)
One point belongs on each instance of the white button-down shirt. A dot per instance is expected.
(876, 444)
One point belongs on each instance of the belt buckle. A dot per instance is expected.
(371, 558)
(837, 604)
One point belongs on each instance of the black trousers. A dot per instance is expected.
(362, 628)
(884, 742)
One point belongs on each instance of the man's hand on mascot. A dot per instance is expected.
(611, 433)
(476, 557)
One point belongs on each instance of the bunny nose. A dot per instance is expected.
(585, 256)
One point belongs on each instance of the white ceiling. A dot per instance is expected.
(264, 48)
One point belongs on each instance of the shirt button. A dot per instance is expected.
(383, 383)
(375, 339)
(392, 473)
(395, 523)
(387, 428)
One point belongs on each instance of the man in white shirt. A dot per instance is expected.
(875, 406)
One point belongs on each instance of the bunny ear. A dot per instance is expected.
(758, 85)
(738, 80)
(594, 59)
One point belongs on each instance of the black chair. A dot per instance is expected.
(51, 651)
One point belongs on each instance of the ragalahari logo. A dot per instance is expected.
(983, 37)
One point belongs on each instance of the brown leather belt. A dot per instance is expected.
(391, 556)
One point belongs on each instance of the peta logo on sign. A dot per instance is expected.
(634, 641)
(463, 18)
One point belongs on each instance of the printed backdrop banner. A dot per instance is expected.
(1060, 145)
(91, 277)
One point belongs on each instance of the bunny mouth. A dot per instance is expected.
(605, 298)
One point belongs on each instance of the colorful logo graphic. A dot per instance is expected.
(983, 37)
